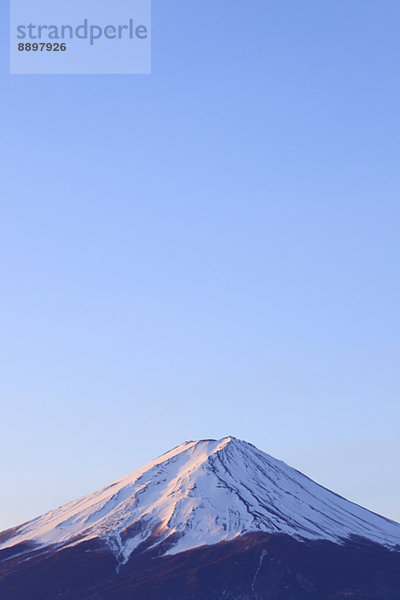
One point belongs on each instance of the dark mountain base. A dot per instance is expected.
(253, 567)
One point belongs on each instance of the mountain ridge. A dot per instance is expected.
(208, 519)
(203, 492)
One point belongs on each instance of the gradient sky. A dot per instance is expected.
(210, 250)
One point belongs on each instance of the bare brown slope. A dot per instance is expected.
(256, 566)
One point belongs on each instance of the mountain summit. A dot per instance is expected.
(201, 493)
(210, 519)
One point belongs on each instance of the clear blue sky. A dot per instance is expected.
(209, 250)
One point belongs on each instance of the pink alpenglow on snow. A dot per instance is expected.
(201, 493)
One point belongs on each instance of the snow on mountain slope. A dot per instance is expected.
(202, 493)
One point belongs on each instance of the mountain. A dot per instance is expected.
(208, 519)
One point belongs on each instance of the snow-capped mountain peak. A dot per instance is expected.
(204, 492)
